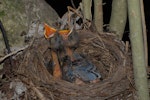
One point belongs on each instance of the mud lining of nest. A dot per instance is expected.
(110, 55)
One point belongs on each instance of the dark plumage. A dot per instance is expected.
(81, 69)
(73, 40)
(56, 46)
(56, 42)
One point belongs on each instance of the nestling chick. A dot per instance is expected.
(56, 46)
(71, 41)
(81, 69)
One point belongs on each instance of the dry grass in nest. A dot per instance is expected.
(110, 55)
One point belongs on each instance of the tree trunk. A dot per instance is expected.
(87, 9)
(136, 38)
(144, 32)
(118, 17)
(98, 15)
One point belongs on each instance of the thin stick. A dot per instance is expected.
(5, 37)
(127, 47)
(73, 4)
(6, 41)
(37, 91)
(11, 54)
(75, 11)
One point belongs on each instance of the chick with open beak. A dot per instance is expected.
(71, 41)
(75, 68)
(56, 46)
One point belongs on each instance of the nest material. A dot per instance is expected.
(110, 55)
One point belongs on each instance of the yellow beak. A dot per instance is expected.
(64, 33)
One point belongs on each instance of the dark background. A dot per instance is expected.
(60, 7)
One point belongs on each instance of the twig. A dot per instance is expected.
(75, 11)
(127, 47)
(11, 54)
(34, 88)
(73, 4)
(100, 39)
(116, 94)
(5, 37)
(50, 93)
(6, 41)
(37, 91)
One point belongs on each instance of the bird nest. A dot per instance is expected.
(30, 76)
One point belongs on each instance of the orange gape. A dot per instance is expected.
(65, 34)
(49, 31)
